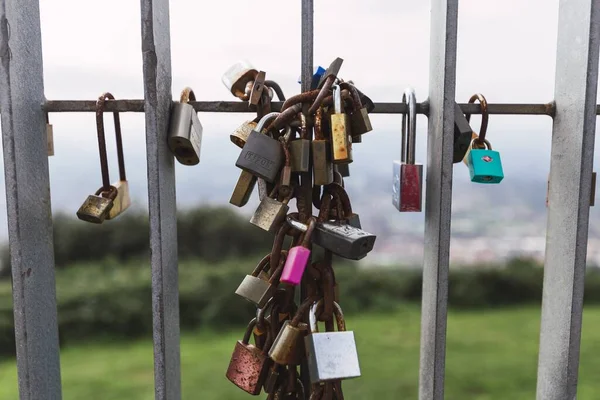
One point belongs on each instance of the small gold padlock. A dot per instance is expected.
(96, 207)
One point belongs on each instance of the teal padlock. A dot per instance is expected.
(485, 165)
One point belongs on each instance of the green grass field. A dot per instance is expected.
(490, 355)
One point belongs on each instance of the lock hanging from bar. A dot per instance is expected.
(185, 130)
(407, 188)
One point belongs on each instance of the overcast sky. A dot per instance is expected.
(506, 51)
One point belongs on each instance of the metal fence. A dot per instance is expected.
(23, 107)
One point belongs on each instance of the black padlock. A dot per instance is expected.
(463, 134)
(344, 240)
(262, 155)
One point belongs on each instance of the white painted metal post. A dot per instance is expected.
(569, 198)
(438, 204)
(28, 200)
(156, 50)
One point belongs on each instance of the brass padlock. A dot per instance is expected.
(300, 148)
(288, 346)
(243, 189)
(321, 152)
(123, 199)
(96, 207)
(237, 78)
(271, 212)
(341, 139)
(241, 133)
(185, 130)
(257, 290)
(360, 122)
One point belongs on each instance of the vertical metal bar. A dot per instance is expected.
(156, 51)
(438, 204)
(28, 200)
(569, 198)
(307, 32)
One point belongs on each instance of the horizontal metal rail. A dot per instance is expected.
(242, 107)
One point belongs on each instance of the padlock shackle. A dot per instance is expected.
(337, 312)
(338, 192)
(302, 309)
(187, 95)
(102, 140)
(261, 265)
(266, 118)
(409, 127)
(277, 273)
(305, 132)
(318, 123)
(249, 329)
(337, 99)
(356, 103)
(296, 224)
(484, 117)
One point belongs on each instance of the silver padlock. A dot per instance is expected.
(331, 355)
(185, 130)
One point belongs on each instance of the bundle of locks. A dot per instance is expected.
(281, 154)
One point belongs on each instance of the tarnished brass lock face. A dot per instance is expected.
(240, 135)
(122, 201)
(96, 207)
(243, 189)
(341, 141)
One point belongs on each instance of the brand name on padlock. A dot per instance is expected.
(259, 160)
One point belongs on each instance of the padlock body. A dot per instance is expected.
(344, 170)
(240, 135)
(341, 141)
(462, 135)
(95, 209)
(255, 290)
(248, 368)
(261, 156)
(332, 356)
(344, 240)
(360, 123)
(295, 264)
(485, 166)
(288, 346)
(322, 166)
(185, 134)
(122, 201)
(272, 380)
(407, 188)
(300, 153)
(237, 76)
(243, 189)
(269, 215)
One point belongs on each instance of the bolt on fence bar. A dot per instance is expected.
(156, 51)
(28, 201)
(569, 198)
(438, 202)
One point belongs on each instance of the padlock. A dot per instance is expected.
(360, 122)
(243, 189)
(273, 379)
(332, 70)
(331, 355)
(462, 135)
(123, 199)
(237, 77)
(261, 155)
(344, 240)
(49, 136)
(241, 133)
(485, 165)
(341, 139)
(343, 169)
(288, 346)
(257, 89)
(271, 212)
(96, 207)
(321, 154)
(298, 257)
(249, 365)
(286, 171)
(257, 290)
(185, 130)
(407, 188)
(300, 148)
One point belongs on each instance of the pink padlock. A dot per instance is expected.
(297, 258)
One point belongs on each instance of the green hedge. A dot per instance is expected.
(109, 299)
